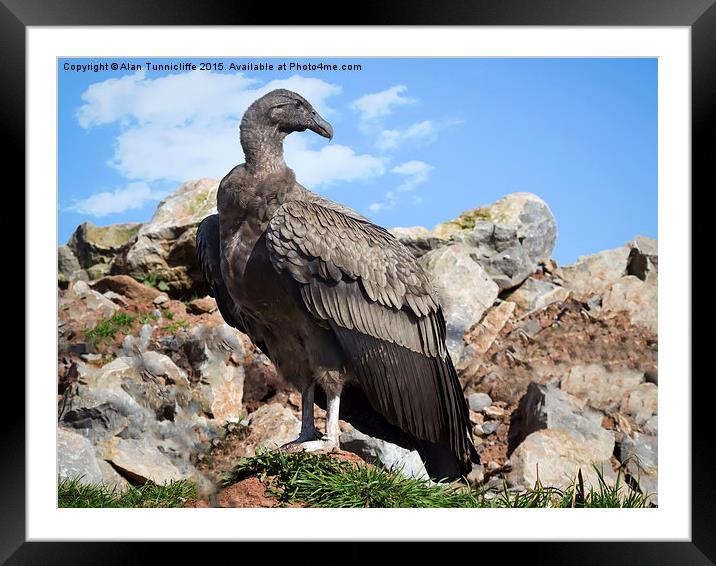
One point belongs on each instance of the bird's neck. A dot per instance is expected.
(263, 149)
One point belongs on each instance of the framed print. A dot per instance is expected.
(550, 146)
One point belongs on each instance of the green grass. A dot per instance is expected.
(176, 325)
(108, 328)
(71, 493)
(321, 481)
(153, 280)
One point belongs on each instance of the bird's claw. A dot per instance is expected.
(323, 443)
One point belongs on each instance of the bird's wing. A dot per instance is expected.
(383, 309)
(207, 249)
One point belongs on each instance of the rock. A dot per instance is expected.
(482, 335)
(465, 290)
(526, 213)
(554, 457)
(165, 247)
(271, 426)
(641, 403)
(160, 299)
(140, 461)
(144, 397)
(640, 454)
(116, 298)
(68, 267)
(127, 287)
(535, 294)
(595, 274)
(546, 407)
(599, 387)
(205, 305)
(80, 303)
(479, 401)
(489, 427)
(374, 450)
(418, 240)
(76, 458)
(494, 412)
(510, 237)
(644, 259)
(97, 246)
(221, 381)
(637, 298)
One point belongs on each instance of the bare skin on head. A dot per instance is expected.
(340, 306)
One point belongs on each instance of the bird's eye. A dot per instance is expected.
(298, 104)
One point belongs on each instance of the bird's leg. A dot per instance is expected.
(308, 428)
(330, 439)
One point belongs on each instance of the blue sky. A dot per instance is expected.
(416, 141)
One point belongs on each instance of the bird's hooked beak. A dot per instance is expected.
(321, 126)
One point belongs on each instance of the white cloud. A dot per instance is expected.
(329, 164)
(388, 202)
(415, 172)
(183, 126)
(380, 104)
(392, 139)
(131, 197)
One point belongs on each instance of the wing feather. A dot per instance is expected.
(384, 312)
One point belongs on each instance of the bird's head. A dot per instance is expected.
(286, 111)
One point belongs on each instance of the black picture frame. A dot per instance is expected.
(699, 15)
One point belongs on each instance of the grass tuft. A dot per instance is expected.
(321, 481)
(72, 493)
(108, 328)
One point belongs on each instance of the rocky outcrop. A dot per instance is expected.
(509, 238)
(558, 365)
(143, 415)
(165, 247)
(95, 247)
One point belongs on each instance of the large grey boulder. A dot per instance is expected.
(547, 407)
(392, 456)
(511, 237)
(555, 458)
(464, 288)
(95, 247)
(165, 247)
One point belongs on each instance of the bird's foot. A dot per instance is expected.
(325, 443)
(303, 438)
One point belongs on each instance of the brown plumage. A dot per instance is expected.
(334, 300)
